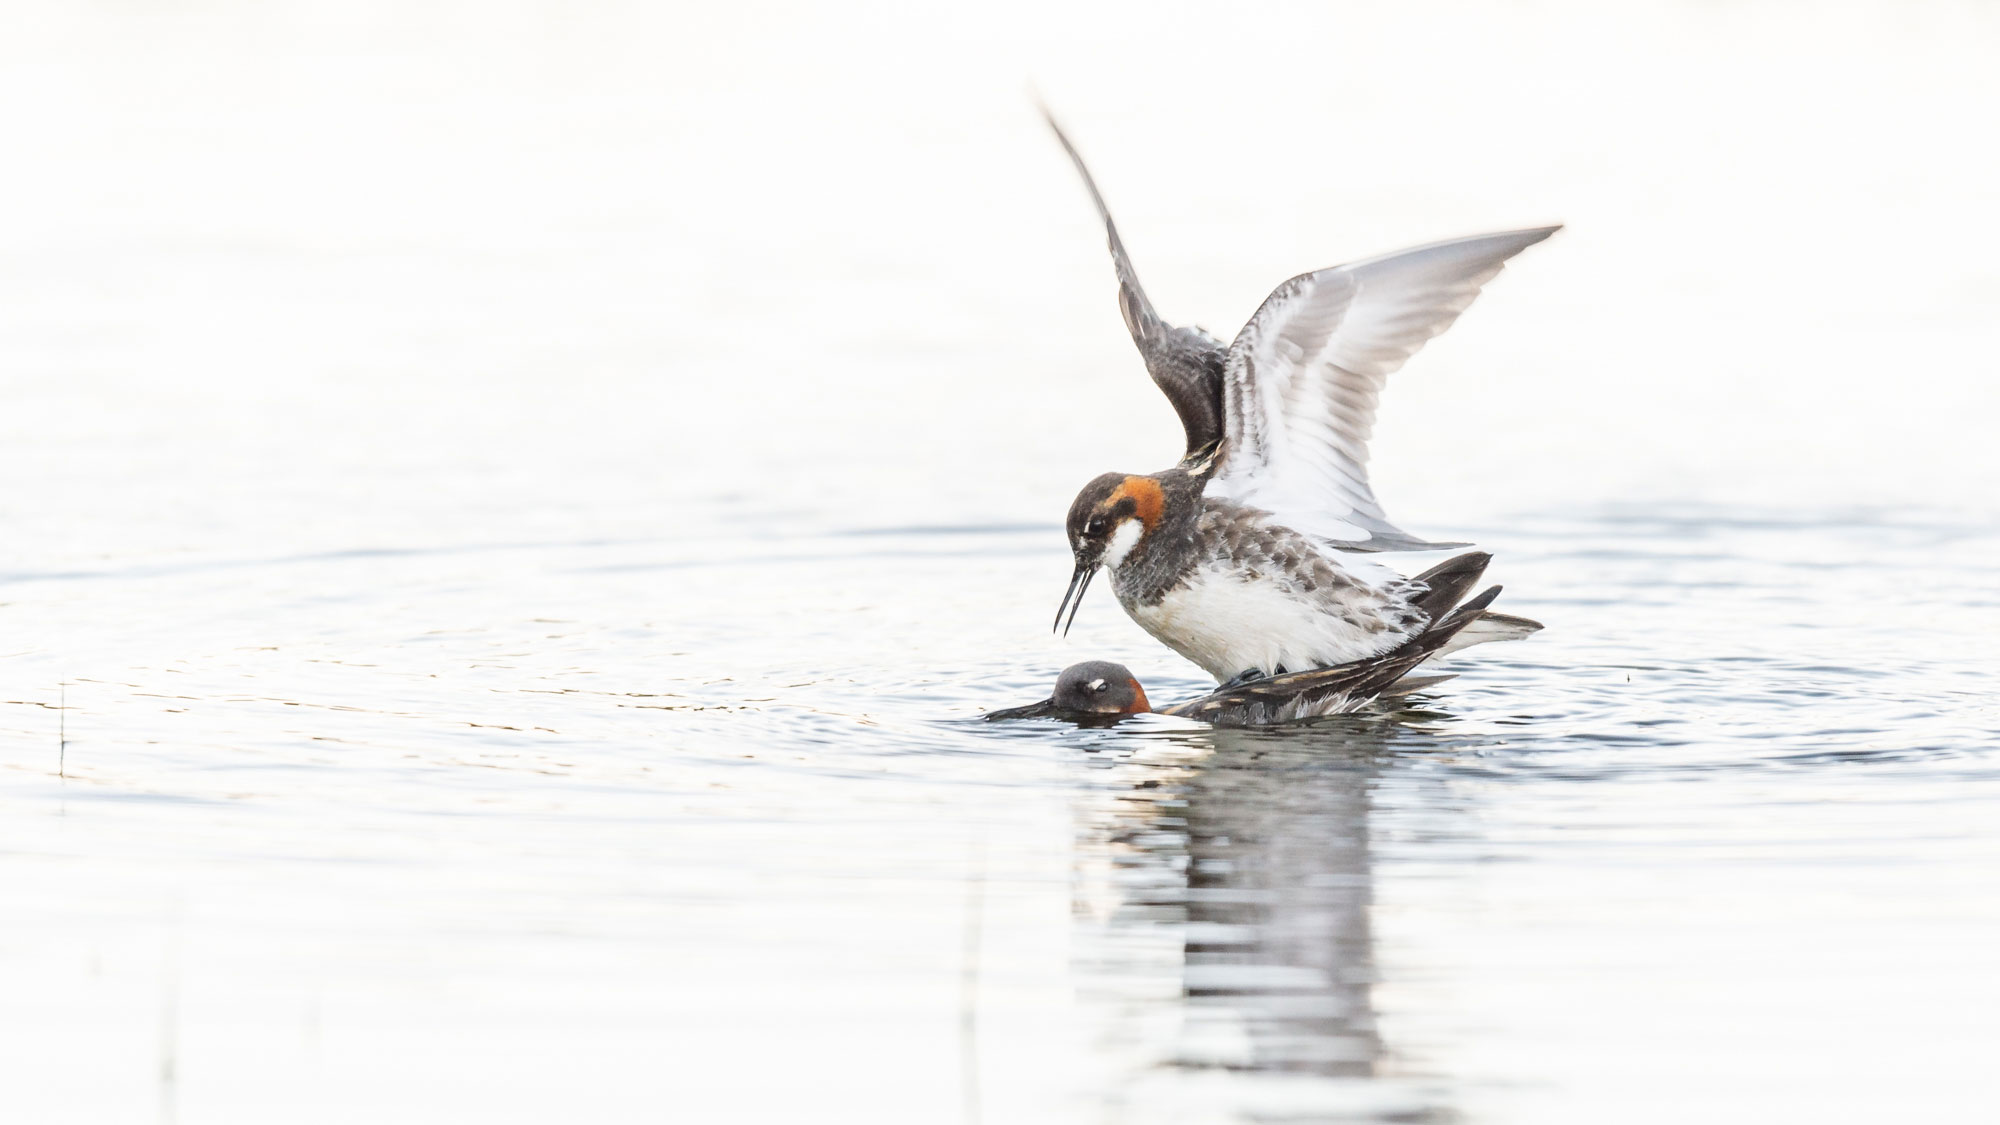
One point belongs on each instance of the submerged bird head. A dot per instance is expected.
(1100, 687)
(1095, 689)
(1117, 512)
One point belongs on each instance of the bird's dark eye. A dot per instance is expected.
(1094, 527)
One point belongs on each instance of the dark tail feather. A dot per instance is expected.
(1427, 643)
(1490, 626)
(1508, 620)
(1458, 618)
(1409, 684)
(1449, 581)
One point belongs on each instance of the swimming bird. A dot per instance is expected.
(1099, 692)
(1240, 558)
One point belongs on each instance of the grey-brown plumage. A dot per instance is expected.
(1244, 544)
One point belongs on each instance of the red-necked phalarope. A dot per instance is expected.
(1235, 558)
(1099, 692)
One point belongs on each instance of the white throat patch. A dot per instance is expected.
(1124, 537)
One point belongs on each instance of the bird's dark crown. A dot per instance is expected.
(1099, 687)
(1105, 503)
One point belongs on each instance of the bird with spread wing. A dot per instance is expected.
(1242, 558)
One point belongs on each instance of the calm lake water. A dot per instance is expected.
(508, 530)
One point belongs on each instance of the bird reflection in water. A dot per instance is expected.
(1252, 848)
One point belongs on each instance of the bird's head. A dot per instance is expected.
(1111, 516)
(1100, 687)
(1094, 693)
(1117, 513)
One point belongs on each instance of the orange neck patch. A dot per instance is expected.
(1148, 502)
(1140, 704)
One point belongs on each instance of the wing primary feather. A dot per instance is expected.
(1140, 319)
(1186, 363)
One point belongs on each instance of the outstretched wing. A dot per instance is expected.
(1303, 378)
(1186, 363)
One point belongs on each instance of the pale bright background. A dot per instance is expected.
(534, 333)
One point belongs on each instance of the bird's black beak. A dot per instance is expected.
(1046, 709)
(1073, 597)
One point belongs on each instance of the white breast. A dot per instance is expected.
(1228, 624)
